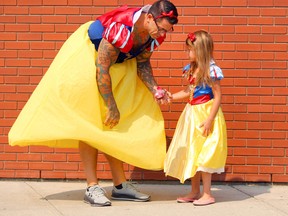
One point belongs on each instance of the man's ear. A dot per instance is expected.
(150, 16)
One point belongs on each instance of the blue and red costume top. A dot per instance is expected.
(204, 93)
(116, 27)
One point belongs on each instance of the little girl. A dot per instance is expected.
(199, 145)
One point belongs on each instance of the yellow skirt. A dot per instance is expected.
(66, 108)
(189, 151)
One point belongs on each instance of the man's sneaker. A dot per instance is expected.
(129, 192)
(95, 195)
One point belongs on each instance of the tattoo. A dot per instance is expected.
(144, 70)
(107, 56)
(139, 38)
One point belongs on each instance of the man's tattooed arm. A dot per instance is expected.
(107, 56)
(144, 70)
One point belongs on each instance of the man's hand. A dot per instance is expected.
(112, 117)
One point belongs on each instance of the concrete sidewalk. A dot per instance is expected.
(65, 198)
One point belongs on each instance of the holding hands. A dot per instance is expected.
(162, 96)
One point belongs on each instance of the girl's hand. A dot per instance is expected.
(162, 96)
(206, 125)
(167, 97)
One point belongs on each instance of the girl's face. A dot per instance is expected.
(191, 53)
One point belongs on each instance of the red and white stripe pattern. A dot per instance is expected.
(119, 36)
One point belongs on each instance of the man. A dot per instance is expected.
(97, 95)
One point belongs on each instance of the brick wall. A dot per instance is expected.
(250, 46)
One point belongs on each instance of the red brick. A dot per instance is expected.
(222, 29)
(259, 125)
(41, 165)
(274, 12)
(279, 143)
(246, 82)
(15, 149)
(236, 143)
(245, 169)
(280, 109)
(272, 152)
(247, 99)
(234, 177)
(104, 175)
(236, 125)
(65, 28)
(273, 135)
(54, 19)
(8, 157)
(66, 166)
(53, 175)
(281, 21)
(55, 157)
(260, 108)
(245, 151)
(29, 157)
(194, 11)
(41, 10)
(236, 160)
(33, 174)
(272, 169)
(259, 143)
(208, 3)
(7, 173)
(258, 161)
(274, 47)
(29, 36)
(154, 175)
(66, 150)
(246, 134)
(16, 10)
(55, 2)
(258, 178)
(281, 56)
(16, 165)
(75, 175)
(280, 178)
(256, 3)
(247, 11)
(40, 149)
(279, 161)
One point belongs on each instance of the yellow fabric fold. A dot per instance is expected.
(189, 149)
(66, 108)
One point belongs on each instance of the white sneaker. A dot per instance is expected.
(95, 196)
(129, 192)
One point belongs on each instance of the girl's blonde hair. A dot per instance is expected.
(203, 46)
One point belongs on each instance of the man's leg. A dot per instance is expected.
(94, 194)
(122, 189)
(116, 167)
(88, 156)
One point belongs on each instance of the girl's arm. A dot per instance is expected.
(185, 93)
(215, 107)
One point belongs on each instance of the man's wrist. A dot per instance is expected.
(159, 92)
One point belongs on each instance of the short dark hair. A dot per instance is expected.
(162, 7)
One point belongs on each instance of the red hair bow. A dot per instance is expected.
(192, 37)
(164, 14)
